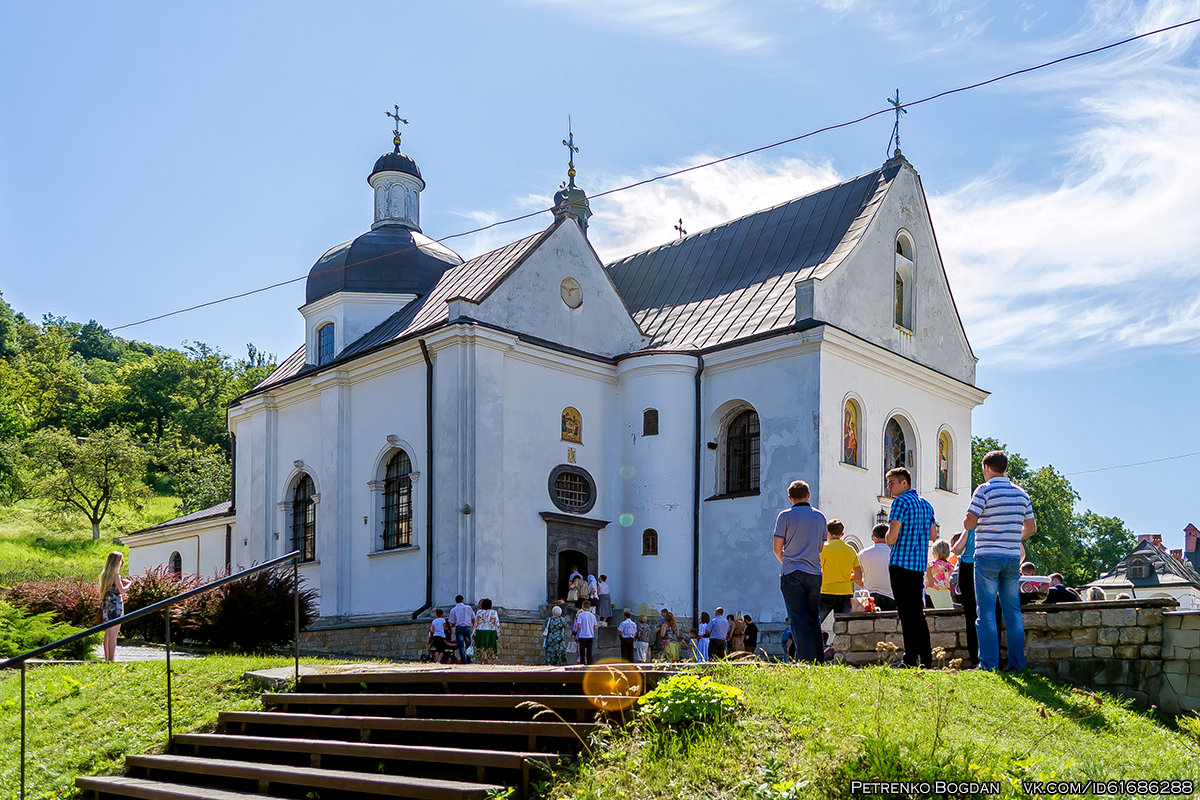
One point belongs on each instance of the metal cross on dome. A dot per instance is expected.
(396, 127)
(899, 109)
(569, 143)
(679, 227)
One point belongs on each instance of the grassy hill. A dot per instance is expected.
(66, 548)
(812, 731)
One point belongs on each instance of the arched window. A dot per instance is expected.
(304, 520)
(945, 458)
(175, 562)
(397, 502)
(895, 448)
(649, 542)
(741, 453)
(325, 343)
(650, 422)
(902, 300)
(850, 417)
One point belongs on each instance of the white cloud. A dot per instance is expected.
(711, 23)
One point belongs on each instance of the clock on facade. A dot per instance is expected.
(572, 292)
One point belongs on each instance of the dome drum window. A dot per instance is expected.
(741, 453)
(325, 343)
(572, 489)
(650, 422)
(649, 542)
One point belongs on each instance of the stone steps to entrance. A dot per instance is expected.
(440, 734)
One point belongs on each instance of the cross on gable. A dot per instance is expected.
(679, 227)
(899, 109)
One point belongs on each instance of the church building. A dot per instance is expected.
(483, 427)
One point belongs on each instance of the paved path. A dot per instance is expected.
(129, 652)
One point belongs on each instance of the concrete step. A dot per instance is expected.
(286, 775)
(476, 679)
(581, 707)
(429, 731)
(123, 787)
(322, 752)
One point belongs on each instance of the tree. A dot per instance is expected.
(89, 475)
(200, 476)
(1080, 546)
(14, 471)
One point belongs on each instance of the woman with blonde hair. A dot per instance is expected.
(112, 600)
(668, 632)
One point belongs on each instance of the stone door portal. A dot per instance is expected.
(571, 541)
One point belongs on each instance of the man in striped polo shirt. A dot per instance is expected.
(1002, 517)
(911, 528)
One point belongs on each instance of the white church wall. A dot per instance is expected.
(537, 385)
(530, 299)
(884, 385)
(780, 379)
(656, 481)
(858, 296)
(201, 548)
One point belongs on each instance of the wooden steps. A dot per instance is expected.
(436, 734)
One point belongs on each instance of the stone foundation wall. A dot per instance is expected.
(1123, 647)
(520, 641)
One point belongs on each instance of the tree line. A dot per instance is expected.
(89, 419)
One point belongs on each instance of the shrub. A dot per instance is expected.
(250, 614)
(21, 632)
(71, 600)
(149, 588)
(686, 699)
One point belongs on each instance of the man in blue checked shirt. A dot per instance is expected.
(910, 530)
(1002, 517)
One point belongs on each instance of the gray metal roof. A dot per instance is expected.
(224, 509)
(736, 280)
(1168, 570)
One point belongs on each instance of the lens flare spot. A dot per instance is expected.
(613, 685)
(626, 520)
(627, 472)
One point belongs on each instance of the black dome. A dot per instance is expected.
(396, 162)
(397, 261)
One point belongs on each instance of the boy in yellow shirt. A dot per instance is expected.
(840, 571)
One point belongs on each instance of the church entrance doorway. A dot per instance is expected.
(567, 561)
(571, 541)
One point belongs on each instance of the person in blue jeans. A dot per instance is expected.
(800, 533)
(461, 617)
(1002, 516)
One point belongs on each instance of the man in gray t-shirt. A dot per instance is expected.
(800, 533)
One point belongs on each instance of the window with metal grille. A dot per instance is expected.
(397, 503)
(649, 542)
(650, 422)
(741, 453)
(304, 520)
(176, 562)
(325, 343)
(572, 489)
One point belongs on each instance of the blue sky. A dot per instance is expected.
(156, 156)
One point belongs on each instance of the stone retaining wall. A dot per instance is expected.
(520, 641)
(1127, 647)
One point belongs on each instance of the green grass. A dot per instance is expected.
(67, 549)
(810, 731)
(83, 719)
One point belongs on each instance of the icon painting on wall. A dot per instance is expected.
(572, 425)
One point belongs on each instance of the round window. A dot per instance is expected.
(572, 489)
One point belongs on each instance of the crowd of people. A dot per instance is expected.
(818, 571)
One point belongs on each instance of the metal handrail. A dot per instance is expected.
(163, 605)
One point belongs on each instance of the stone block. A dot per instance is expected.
(1151, 668)
(1063, 620)
(1107, 636)
(1118, 617)
(1062, 652)
(1193, 665)
(857, 658)
(860, 626)
(1149, 616)
(1126, 651)
(946, 640)
(1186, 639)
(1151, 651)
(1175, 667)
(1035, 621)
(1103, 652)
(1084, 652)
(1193, 686)
(1091, 618)
(946, 624)
(1132, 635)
(1083, 636)
(1154, 634)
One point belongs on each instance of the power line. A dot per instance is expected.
(675, 173)
(1134, 464)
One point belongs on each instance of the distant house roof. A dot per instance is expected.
(731, 282)
(737, 280)
(224, 509)
(1167, 571)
